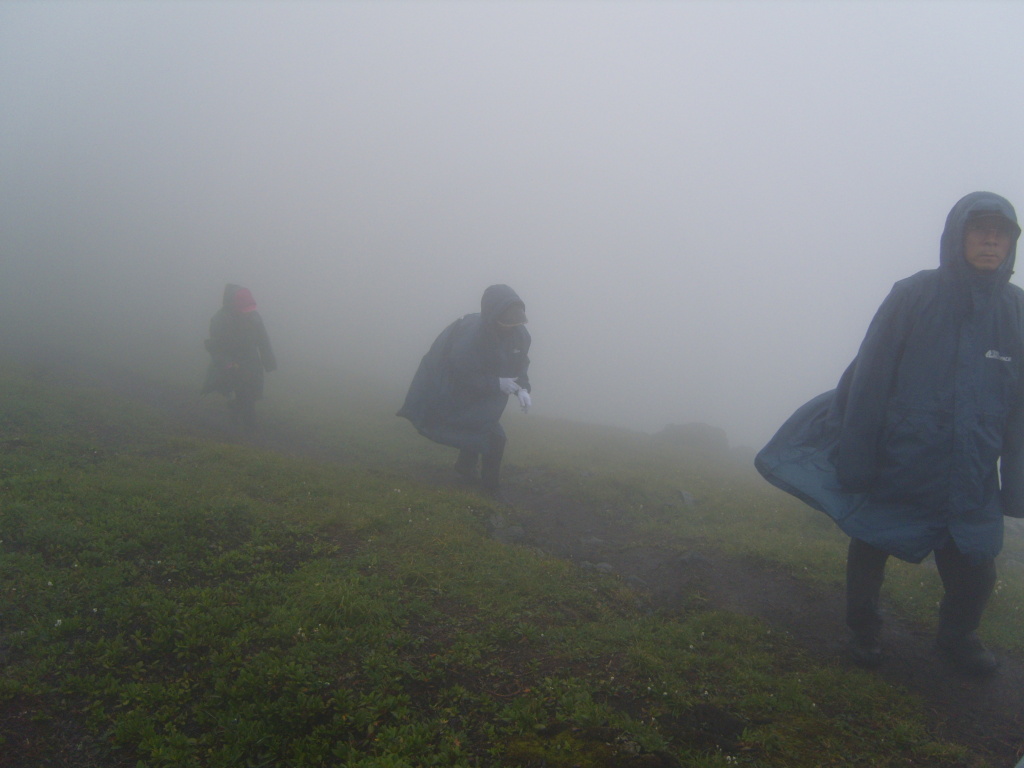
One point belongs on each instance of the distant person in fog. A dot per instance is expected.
(920, 448)
(463, 383)
(239, 354)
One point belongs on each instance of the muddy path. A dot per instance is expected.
(985, 715)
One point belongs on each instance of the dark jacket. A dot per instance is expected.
(905, 452)
(454, 398)
(239, 350)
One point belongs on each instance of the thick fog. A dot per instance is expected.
(701, 203)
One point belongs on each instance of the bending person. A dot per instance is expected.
(463, 383)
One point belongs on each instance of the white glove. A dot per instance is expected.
(524, 399)
(508, 386)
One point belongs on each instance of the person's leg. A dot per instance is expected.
(465, 465)
(865, 572)
(247, 392)
(247, 413)
(968, 585)
(490, 469)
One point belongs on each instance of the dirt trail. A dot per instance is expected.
(985, 715)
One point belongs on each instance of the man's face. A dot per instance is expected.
(987, 241)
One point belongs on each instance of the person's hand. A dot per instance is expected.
(508, 386)
(524, 399)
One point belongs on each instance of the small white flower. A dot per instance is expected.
(57, 623)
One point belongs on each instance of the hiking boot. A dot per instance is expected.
(968, 654)
(865, 650)
(495, 494)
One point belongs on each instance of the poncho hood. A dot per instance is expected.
(229, 295)
(496, 299)
(951, 246)
(238, 299)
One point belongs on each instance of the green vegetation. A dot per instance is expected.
(738, 512)
(172, 601)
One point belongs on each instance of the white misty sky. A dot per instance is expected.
(702, 203)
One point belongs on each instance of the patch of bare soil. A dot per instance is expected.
(985, 715)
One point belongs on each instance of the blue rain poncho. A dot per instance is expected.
(922, 438)
(454, 398)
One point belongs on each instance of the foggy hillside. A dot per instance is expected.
(701, 203)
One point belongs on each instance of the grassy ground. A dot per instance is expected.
(623, 474)
(173, 601)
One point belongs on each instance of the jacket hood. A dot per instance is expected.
(951, 247)
(237, 298)
(495, 300)
(229, 295)
(243, 301)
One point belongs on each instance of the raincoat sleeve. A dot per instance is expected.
(478, 359)
(523, 377)
(468, 366)
(1011, 460)
(214, 344)
(867, 398)
(1011, 465)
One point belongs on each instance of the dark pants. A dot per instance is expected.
(490, 461)
(242, 411)
(968, 585)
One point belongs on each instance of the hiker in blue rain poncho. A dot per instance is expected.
(463, 383)
(239, 354)
(919, 448)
